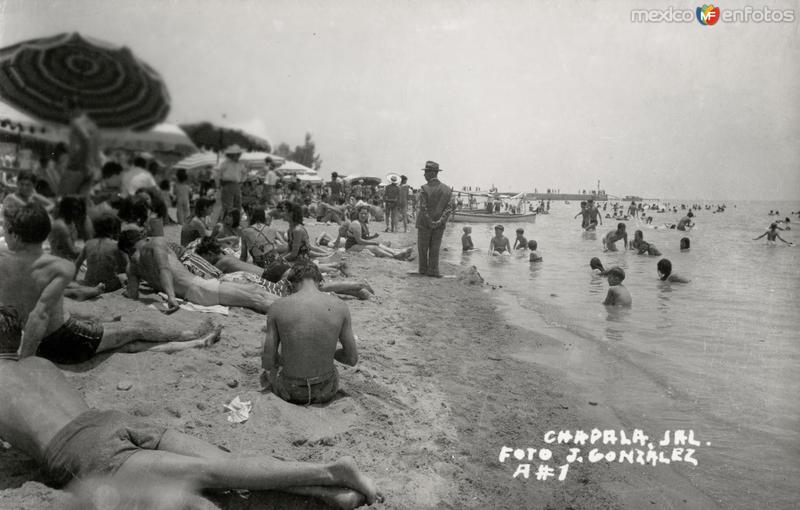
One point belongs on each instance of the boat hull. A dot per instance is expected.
(472, 217)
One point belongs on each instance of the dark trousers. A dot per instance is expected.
(231, 196)
(428, 243)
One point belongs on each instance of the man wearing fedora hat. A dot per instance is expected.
(390, 196)
(435, 207)
(229, 176)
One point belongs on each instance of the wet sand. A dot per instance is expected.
(442, 384)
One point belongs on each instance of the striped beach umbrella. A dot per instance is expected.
(113, 87)
(199, 160)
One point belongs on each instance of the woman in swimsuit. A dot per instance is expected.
(197, 227)
(359, 238)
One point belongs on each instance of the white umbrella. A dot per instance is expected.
(311, 179)
(290, 167)
(162, 138)
(258, 159)
(199, 160)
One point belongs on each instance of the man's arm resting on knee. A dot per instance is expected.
(348, 354)
(40, 316)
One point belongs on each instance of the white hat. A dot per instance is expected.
(234, 149)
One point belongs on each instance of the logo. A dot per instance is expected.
(707, 14)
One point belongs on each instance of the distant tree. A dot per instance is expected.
(305, 154)
(283, 150)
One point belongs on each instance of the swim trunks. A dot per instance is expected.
(203, 292)
(74, 342)
(98, 442)
(305, 391)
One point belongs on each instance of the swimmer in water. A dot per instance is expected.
(643, 247)
(617, 295)
(499, 245)
(466, 240)
(773, 234)
(598, 266)
(685, 244)
(534, 257)
(665, 273)
(686, 222)
(520, 243)
(614, 236)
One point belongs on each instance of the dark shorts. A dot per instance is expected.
(74, 342)
(305, 391)
(98, 442)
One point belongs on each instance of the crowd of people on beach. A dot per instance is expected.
(113, 231)
(107, 230)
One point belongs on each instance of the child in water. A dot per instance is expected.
(773, 234)
(597, 266)
(535, 257)
(499, 245)
(665, 273)
(466, 240)
(617, 295)
(685, 244)
(520, 243)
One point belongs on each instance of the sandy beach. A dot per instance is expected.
(440, 387)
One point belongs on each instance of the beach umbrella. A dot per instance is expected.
(212, 136)
(368, 180)
(258, 159)
(309, 179)
(291, 167)
(162, 138)
(113, 87)
(199, 160)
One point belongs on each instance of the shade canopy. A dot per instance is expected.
(48, 78)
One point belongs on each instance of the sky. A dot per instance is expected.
(520, 94)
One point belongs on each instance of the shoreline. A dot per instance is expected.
(440, 388)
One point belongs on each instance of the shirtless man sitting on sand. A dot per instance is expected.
(307, 326)
(153, 261)
(33, 284)
(42, 415)
(615, 235)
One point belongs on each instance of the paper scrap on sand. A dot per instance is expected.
(238, 411)
(191, 307)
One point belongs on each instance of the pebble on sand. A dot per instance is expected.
(124, 385)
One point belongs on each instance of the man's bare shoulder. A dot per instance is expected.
(57, 266)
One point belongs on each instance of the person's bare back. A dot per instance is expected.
(25, 275)
(309, 326)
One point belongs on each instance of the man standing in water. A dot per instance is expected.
(435, 207)
(591, 216)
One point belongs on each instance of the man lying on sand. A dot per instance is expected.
(211, 251)
(52, 423)
(33, 285)
(153, 261)
(307, 326)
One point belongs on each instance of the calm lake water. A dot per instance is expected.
(718, 355)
